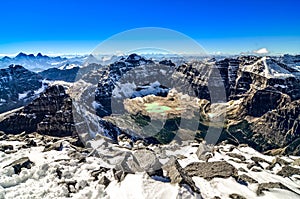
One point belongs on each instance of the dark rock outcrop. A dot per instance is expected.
(271, 185)
(259, 102)
(178, 175)
(50, 114)
(288, 171)
(246, 178)
(68, 75)
(17, 86)
(279, 128)
(104, 181)
(21, 163)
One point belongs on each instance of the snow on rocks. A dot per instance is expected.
(48, 167)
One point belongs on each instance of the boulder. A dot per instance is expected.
(141, 160)
(104, 181)
(288, 171)
(21, 163)
(246, 178)
(238, 156)
(147, 160)
(271, 185)
(204, 152)
(209, 170)
(236, 196)
(178, 175)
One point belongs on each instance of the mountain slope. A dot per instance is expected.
(18, 86)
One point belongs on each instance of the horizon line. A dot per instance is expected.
(70, 54)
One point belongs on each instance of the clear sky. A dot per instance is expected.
(75, 26)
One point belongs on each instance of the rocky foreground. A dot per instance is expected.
(36, 166)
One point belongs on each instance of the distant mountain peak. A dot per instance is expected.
(39, 55)
(134, 56)
(6, 58)
(21, 54)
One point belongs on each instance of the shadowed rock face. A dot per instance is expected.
(68, 75)
(259, 102)
(279, 128)
(49, 114)
(16, 80)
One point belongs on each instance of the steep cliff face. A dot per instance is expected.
(267, 72)
(259, 102)
(241, 76)
(18, 86)
(121, 79)
(269, 94)
(279, 128)
(49, 114)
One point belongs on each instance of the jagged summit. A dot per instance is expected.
(39, 55)
(270, 68)
(134, 56)
(21, 54)
(24, 55)
(37, 62)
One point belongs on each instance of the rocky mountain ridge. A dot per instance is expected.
(259, 89)
(262, 86)
(257, 100)
(49, 114)
(32, 62)
(18, 86)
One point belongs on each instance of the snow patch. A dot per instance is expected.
(141, 186)
(23, 95)
(123, 90)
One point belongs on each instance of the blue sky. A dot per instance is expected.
(228, 26)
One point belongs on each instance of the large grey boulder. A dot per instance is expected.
(210, 170)
(178, 175)
(142, 160)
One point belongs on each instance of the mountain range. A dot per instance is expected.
(193, 125)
